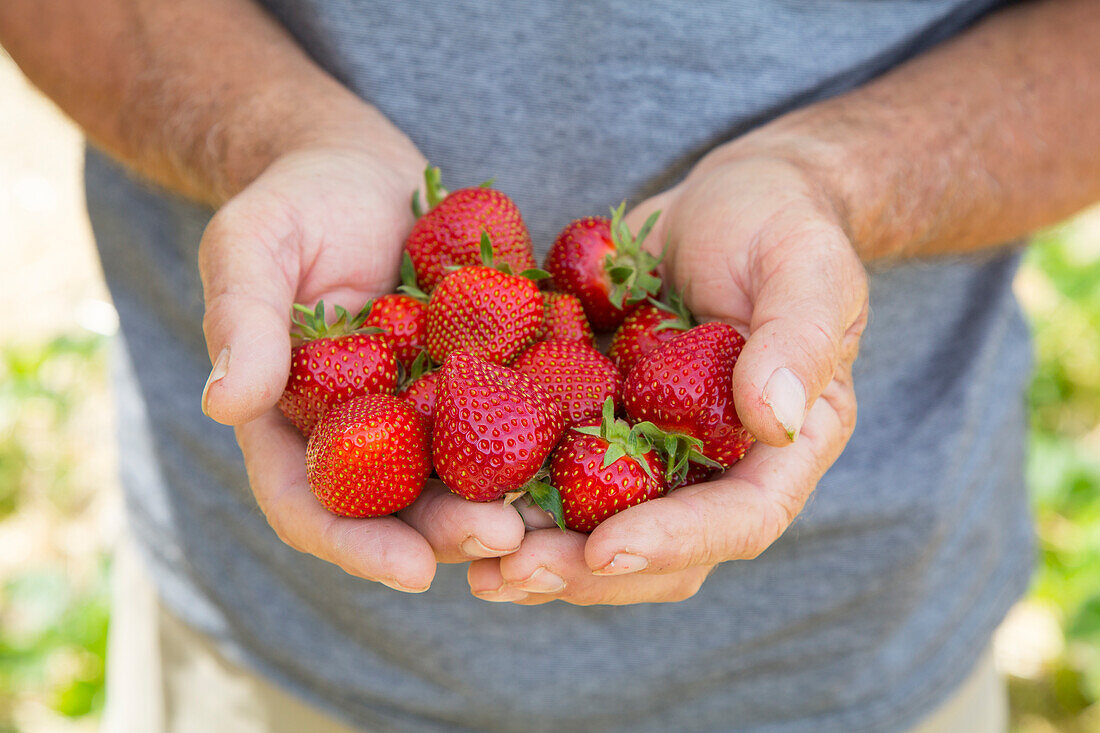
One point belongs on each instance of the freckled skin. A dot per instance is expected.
(494, 428)
(369, 457)
(577, 376)
(327, 371)
(406, 320)
(486, 312)
(590, 493)
(685, 386)
(450, 234)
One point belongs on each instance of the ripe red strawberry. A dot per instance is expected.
(577, 376)
(334, 364)
(420, 393)
(369, 457)
(404, 315)
(449, 233)
(565, 319)
(490, 313)
(685, 387)
(494, 427)
(600, 262)
(406, 320)
(646, 327)
(603, 467)
(420, 386)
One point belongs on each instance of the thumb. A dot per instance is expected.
(809, 306)
(249, 292)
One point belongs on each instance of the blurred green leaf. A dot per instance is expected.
(1062, 302)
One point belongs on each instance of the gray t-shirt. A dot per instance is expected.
(861, 618)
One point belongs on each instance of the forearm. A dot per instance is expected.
(975, 143)
(199, 96)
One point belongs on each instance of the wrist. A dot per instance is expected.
(820, 163)
(286, 121)
(829, 153)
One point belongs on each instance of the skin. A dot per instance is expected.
(213, 99)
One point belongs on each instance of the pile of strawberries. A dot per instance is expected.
(473, 371)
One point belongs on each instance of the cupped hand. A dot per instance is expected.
(323, 222)
(755, 241)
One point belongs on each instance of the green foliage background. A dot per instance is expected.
(1060, 289)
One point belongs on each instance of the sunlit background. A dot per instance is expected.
(59, 505)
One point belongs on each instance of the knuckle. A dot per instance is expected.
(332, 542)
(772, 522)
(688, 587)
(286, 536)
(428, 518)
(227, 225)
(681, 537)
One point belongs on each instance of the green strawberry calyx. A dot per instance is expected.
(421, 365)
(681, 320)
(488, 259)
(679, 450)
(309, 324)
(543, 494)
(623, 440)
(409, 285)
(629, 267)
(433, 190)
(547, 498)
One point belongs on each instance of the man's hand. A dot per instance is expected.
(325, 222)
(752, 242)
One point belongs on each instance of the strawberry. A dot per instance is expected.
(449, 233)
(369, 456)
(577, 376)
(685, 386)
(420, 386)
(565, 319)
(494, 427)
(421, 394)
(603, 467)
(404, 315)
(334, 364)
(485, 310)
(646, 327)
(600, 262)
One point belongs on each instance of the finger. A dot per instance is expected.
(249, 275)
(383, 549)
(534, 516)
(550, 565)
(809, 294)
(736, 516)
(485, 577)
(460, 530)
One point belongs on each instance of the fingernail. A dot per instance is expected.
(473, 547)
(541, 581)
(403, 588)
(221, 368)
(622, 564)
(786, 396)
(503, 594)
